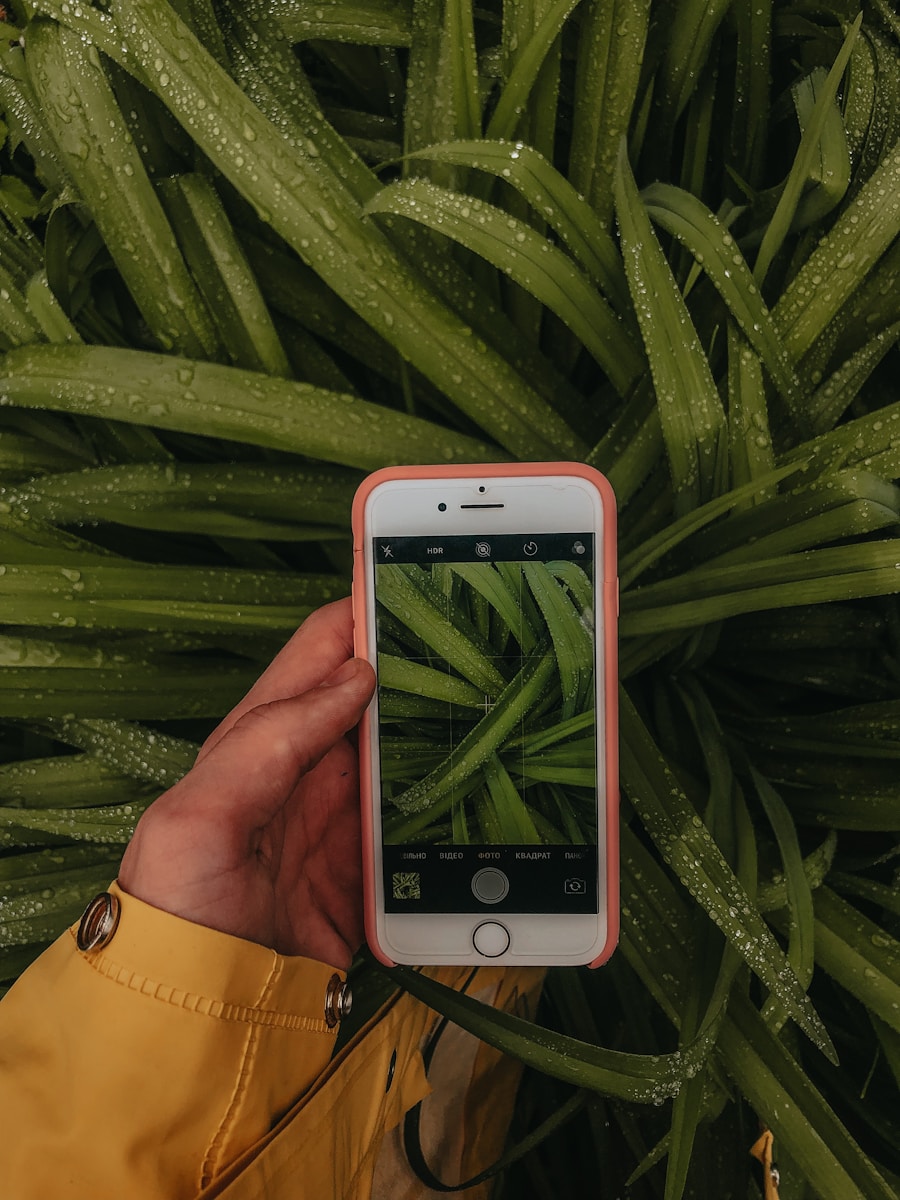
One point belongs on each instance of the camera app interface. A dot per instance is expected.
(487, 728)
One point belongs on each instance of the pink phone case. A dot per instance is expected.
(610, 611)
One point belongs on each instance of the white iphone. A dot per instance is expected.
(486, 599)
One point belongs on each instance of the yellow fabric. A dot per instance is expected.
(178, 1062)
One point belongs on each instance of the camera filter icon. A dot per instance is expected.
(483, 549)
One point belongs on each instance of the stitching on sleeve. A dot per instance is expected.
(211, 1165)
(219, 1010)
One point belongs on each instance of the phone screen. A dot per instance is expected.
(487, 725)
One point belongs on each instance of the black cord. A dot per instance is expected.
(412, 1139)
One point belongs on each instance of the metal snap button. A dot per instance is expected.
(338, 1001)
(99, 922)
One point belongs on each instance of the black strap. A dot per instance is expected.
(412, 1140)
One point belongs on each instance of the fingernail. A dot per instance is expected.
(345, 672)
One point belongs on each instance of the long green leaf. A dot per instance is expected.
(161, 597)
(803, 162)
(797, 1113)
(217, 401)
(714, 593)
(715, 249)
(488, 736)
(607, 82)
(646, 1078)
(845, 256)
(553, 199)
(685, 844)
(99, 154)
(861, 954)
(310, 208)
(690, 410)
(525, 256)
(527, 66)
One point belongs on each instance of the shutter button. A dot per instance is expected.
(99, 922)
(338, 1001)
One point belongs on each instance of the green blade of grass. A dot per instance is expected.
(633, 564)
(824, 510)
(495, 589)
(607, 83)
(166, 690)
(50, 896)
(425, 612)
(54, 324)
(801, 937)
(816, 866)
(715, 249)
(571, 641)
(749, 437)
(18, 324)
(651, 1078)
(485, 739)
(65, 781)
(528, 63)
(510, 811)
(525, 256)
(802, 167)
(830, 401)
(108, 824)
(405, 676)
(303, 199)
(21, 872)
(169, 496)
(811, 577)
(100, 156)
(223, 274)
(157, 597)
(860, 954)
(386, 23)
(687, 47)
(685, 844)
(217, 401)
(864, 230)
(691, 413)
(799, 1116)
(134, 750)
(830, 170)
(750, 116)
(553, 199)
(463, 62)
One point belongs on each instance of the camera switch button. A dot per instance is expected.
(489, 885)
(491, 939)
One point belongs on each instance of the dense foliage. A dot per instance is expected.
(250, 249)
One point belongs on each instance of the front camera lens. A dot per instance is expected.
(442, 507)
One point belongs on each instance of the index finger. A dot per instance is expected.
(315, 651)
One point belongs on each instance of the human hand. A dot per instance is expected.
(261, 838)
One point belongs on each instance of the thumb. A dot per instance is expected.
(207, 824)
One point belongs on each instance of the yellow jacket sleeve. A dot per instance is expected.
(178, 1062)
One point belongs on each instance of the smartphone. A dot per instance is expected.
(486, 598)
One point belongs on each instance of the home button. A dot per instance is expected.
(491, 939)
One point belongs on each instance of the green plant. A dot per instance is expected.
(249, 250)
